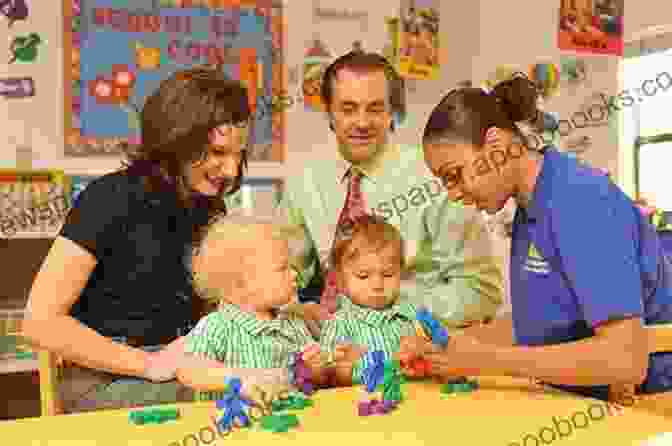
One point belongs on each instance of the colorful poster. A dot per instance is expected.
(32, 203)
(316, 61)
(419, 39)
(591, 26)
(122, 49)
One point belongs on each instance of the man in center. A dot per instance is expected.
(450, 265)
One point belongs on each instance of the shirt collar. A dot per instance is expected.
(371, 171)
(540, 195)
(250, 322)
(376, 317)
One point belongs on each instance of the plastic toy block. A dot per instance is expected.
(433, 326)
(392, 381)
(373, 376)
(459, 386)
(418, 367)
(233, 404)
(375, 407)
(301, 374)
(279, 423)
(153, 416)
(293, 402)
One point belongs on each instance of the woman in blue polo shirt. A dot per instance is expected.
(587, 271)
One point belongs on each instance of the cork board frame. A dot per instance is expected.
(270, 148)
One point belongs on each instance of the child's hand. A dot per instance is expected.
(312, 356)
(348, 354)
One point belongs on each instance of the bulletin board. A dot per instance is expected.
(118, 51)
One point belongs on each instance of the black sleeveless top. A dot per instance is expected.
(140, 286)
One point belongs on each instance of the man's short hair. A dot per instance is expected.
(362, 61)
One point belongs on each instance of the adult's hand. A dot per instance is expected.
(463, 356)
(162, 366)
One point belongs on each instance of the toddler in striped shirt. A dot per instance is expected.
(242, 264)
(368, 262)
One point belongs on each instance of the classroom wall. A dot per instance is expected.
(38, 122)
(476, 37)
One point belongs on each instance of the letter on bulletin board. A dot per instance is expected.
(419, 39)
(118, 52)
(591, 26)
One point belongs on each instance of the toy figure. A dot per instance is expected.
(437, 332)
(301, 375)
(24, 49)
(234, 406)
(373, 375)
(392, 381)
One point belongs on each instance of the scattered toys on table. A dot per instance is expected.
(460, 385)
(292, 402)
(233, 404)
(383, 376)
(153, 416)
(374, 373)
(375, 407)
(392, 381)
(301, 375)
(415, 366)
(279, 423)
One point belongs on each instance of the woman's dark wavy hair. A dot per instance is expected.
(465, 114)
(176, 122)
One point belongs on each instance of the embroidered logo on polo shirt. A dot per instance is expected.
(535, 262)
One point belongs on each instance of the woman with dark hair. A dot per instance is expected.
(115, 286)
(587, 271)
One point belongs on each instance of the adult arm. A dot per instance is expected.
(596, 241)
(469, 285)
(47, 323)
(203, 367)
(89, 233)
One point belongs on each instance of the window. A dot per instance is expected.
(649, 126)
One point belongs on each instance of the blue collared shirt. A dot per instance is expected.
(582, 255)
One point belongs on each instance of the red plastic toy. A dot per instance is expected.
(416, 367)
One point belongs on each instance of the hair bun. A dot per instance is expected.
(518, 97)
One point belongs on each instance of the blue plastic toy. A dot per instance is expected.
(437, 332)
(374, 374)
(233, 406)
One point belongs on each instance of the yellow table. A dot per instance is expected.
(501, 413)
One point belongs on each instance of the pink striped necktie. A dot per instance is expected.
(354, 208)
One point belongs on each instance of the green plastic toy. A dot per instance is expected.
(279, 423)
(392, 381)
(153, 416)
(459, 386)
(24, 49)
(293, 402)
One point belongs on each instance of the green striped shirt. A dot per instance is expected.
(240, 340)
(370, 328)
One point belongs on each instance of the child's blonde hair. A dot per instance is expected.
(236, 233)
(369, 233)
